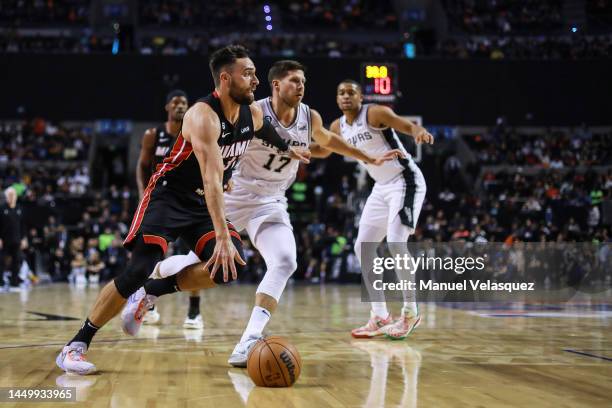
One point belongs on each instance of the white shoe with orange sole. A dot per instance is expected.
(372, 328)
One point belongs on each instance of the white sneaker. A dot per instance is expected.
(195, 323)
(240, 355)
(134, 310)
(72, 359)
(151, 317)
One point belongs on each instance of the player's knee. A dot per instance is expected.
(144, 257)
(273, 285)
(286, 263)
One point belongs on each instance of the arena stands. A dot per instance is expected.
(525, 29)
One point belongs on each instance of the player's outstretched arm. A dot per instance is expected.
(382, 116)
(329, 141)
(265, 131)
(201, 124)
(145, 160)
(319, 152)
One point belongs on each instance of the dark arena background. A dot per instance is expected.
(517, 97)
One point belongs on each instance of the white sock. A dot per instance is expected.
(380, 309)
(176, 263)
(257, 322)
(410, 308)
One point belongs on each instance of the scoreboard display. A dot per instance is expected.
(379, 82)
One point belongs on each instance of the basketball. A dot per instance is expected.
(274, 362)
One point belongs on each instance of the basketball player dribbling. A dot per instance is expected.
(257, 202)
(393, 207)
(184, 198)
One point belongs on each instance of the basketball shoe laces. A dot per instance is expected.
(77, 354)
(143, 307)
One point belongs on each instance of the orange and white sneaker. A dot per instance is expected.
(133, 312)
(372, 328)
(72, 359)
(403, 326)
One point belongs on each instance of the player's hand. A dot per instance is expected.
(1, 244)
(300, 154)
(227, 188)
(388, 156)
(224, 255)
(423, 136)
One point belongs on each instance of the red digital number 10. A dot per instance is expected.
(382, 85)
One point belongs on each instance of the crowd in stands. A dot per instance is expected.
(241, 15)
(248, 15)
(284, 45)
(12, 42)
(35, 12)
(599, 13)
(500, 29)
(343, 15)
(75, 233)
(565, 47)
(504, 16)
(39, 140)
(555, 149)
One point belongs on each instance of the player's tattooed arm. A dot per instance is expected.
(145, 160)
(201, 127)
(265, 131)
(328, 141)
(382, 116)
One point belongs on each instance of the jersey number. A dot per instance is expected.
(283, 159)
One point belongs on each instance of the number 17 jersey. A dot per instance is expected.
(263, 169)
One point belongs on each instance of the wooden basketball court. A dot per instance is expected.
(499, 356)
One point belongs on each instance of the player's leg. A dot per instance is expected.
(379, 315)
(193, 320)
(201, 239)
(14, 252)
(276, 243)
(108, 304)
(400, 228)
(397, 238)
(174, 264)
(372, 228)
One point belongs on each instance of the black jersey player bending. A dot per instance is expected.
(184, 198)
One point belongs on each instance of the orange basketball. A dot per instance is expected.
(274, 362)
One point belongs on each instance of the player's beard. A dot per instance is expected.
(240, 97)
(177, 117)
(292, 102)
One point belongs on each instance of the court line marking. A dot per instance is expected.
(582, 353)
(97, 342)
(210, 336)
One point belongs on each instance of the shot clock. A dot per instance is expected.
(379, 82)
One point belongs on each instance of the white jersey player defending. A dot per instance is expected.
(257, 201)
(393, 207)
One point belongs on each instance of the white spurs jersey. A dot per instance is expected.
(375, 142)
(262, 168)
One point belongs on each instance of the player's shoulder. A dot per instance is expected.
(334, 126)
(376, 113)
(201, 113)
(262, 102)
(201, 107)
(149, 137)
